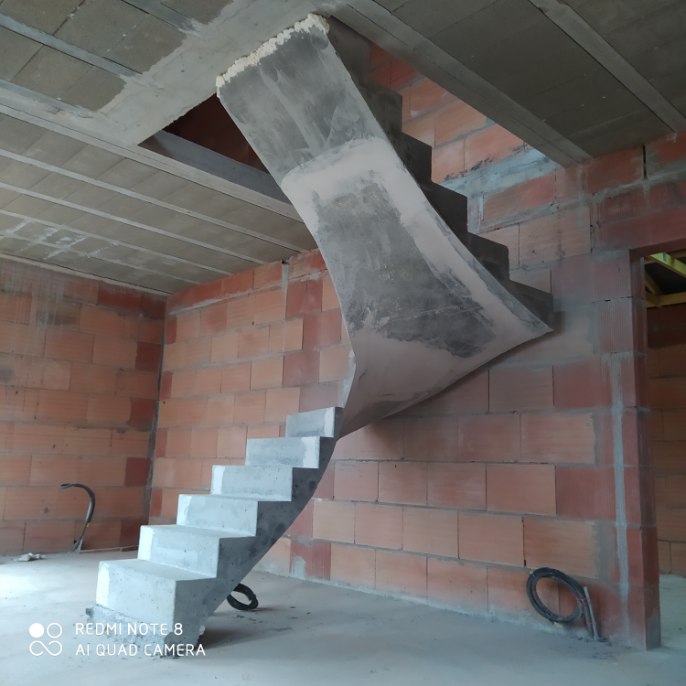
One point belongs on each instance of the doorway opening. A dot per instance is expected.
(665, 295)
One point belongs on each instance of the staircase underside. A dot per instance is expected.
(424, 303)
(413, 296)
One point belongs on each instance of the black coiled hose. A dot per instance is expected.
(248, 593)
(583, 603)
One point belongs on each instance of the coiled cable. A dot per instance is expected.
(583, 602)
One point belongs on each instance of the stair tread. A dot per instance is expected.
(200, 531)
(256, 496)
(156, 569)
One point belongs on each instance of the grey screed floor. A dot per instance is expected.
(308, 633)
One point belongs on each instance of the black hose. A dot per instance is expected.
(78, 543)
(583, 605)
(248, 593)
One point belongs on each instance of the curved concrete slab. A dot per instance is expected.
(420, 310)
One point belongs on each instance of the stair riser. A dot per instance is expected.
(260, 483)
(216, 512)
(196, 553)
(451, 207)
(292, 452)
(137, 595)
(315, 423)
(221, 556)
(416, 156)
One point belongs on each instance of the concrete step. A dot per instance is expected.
(233, 516)
(494, 256)
(147, 591)
(450, 206)
(387, 106)
(303, 451)
(537, 301)
(191, 548)
(416, 156)
(258, 483)
(314, 423)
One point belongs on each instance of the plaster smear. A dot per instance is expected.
(312, 21)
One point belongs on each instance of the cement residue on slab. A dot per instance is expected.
(312, 21)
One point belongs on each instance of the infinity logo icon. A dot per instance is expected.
(42, 647)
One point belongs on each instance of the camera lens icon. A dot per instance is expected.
(45, 647)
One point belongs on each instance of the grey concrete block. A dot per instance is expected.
(202, 11)
(16, 135)
(51, 72)
(161, 184)
(57, 186)
(98, 25)
(326, 422)
(52, 148)
(238, 516)
(256, 483)
(191, 548)
(8, 222)
(301, 451)
(12, 245)
(35, 232)
(127, 174)
(145, 44)
(92, 161)
(20, 174)
(95, 89)
(45, 16)
(7, 197)
(144, 590)
(26, 205)
(16, 52)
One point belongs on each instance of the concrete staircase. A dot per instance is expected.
(185, 571)
(424, 303)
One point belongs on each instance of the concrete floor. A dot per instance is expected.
(673, 612)
(307, 633)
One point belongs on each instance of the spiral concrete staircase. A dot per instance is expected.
(424, 302)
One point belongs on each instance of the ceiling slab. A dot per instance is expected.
(76, 205)
(89, 179)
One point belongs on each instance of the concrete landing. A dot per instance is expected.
(308, 634)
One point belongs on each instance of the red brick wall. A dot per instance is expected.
(667, 396)
(79, 368)
(240, 355)
(463, 139)
(539, 459)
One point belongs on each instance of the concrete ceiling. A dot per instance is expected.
(84, 82)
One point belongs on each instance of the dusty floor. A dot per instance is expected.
(673, 612)
(308, 633)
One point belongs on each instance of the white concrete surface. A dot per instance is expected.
(673, 611)
(310, 634)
